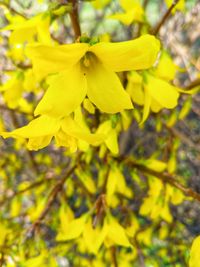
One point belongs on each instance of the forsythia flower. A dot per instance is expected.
(67, 132)
(152, 89)
(194, 252)
(133, 11)
(83, 69)
(24, 30)
(93, 237)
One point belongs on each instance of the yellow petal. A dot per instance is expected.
(126, 18)
(71, 128)
(42, 126)
(49, 59)
(134, 88)
(155, 106)
(128, 4)
(94, 238)
(164, 93)
(179, 6)
(147, 104)
(117, 234)
(111, 182)
(133, 12)
(73, 230)
(25, 30)
(137, 54)
(43, 30)
(166, 62)
(63, 139)
(112, 142)
(110, 136)
(155, 165)
(65, 93)
(105, 89)
(39, 142)
(99, 4)
(19, 36)
(13, 91)
(194, 253)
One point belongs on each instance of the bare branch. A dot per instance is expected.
(156, 30)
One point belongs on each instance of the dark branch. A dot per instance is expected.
(74, 19)
(156, 30)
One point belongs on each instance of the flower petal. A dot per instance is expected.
(65, 93)
(134, 88)
(39, 127)
(49, 59)
(137, 54)
(125, 18)
(72, 128)
(105, 90)
(129, 4)
(164, 93)
(39, 142)
(147, 104)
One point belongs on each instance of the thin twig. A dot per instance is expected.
(145, 3)
(51, 198)
(28, 188)
(165, 177)
(139, 250)
(12, 9)
(114, 256)
(75, 19)
(193, 84)
(184, 138)
(2, 259)
(164, 18)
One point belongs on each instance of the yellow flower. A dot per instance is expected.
(133, 11)
(93, 238)
(83, 69)
(166, 63)
(13, 89)
(24, 30)
(194, 252)
(66, 131)
(152, 92)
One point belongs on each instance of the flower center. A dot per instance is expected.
(88, 59)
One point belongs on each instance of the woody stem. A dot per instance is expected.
(75, 19)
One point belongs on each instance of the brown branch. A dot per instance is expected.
(28, 188)
(145, 3)
(139, 250)
(100, 209)
(2, 259)
(193, 84)
(165, 177)
(114, 256)
(184, 138)
(75, 19)
(156, 30)
(12, 9)
(51, 198)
